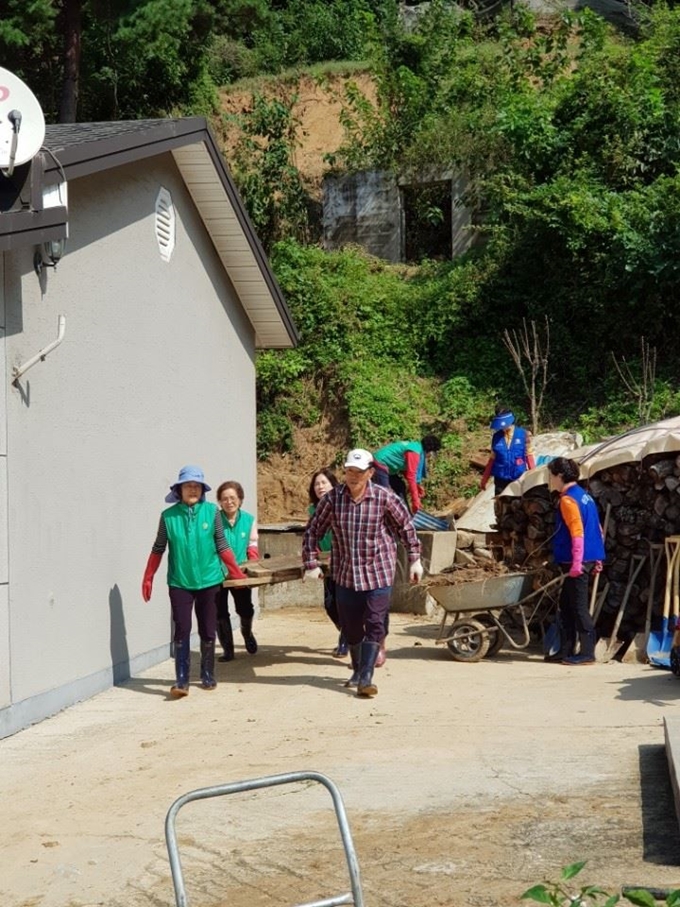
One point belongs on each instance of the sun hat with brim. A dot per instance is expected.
(186, 474)
(359, 459)
(505, 420)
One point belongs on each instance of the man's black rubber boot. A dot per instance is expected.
(355, 656)
(369, 653)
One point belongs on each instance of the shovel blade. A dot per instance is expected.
(659, 646)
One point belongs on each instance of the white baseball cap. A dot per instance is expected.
(359, 458)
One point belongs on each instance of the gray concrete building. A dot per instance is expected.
(131, 358)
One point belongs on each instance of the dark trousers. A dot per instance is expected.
(329, 602)
(243, 602)
(574, 613)
(500, 485)
(363, 614)
(182, 602)
(383, 478)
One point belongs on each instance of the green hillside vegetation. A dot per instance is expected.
(568, 132)
(571, 138)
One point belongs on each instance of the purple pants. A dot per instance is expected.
(362, 614)
(182, 602)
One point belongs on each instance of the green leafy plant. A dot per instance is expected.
(558, 894)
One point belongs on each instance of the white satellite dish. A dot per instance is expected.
(22, 124)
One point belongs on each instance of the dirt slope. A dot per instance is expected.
(317, 109)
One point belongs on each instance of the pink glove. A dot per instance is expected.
(598, 567)
(576, 556)
(252, 554)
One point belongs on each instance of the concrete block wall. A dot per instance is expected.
(438, 552)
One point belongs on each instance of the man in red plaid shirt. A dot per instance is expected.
(365, 521)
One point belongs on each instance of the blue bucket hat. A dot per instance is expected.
(504, 420)
(186, 474)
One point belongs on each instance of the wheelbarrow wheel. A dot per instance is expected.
(496, 638)
(469, 640)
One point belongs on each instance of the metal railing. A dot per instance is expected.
(354, 897)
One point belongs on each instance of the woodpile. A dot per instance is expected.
(643, 500)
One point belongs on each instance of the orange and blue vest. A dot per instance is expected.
(593, 544)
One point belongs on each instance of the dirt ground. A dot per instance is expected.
(464, 783)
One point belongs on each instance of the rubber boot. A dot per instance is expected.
(226, 637)
(182, 668)
(587, 654)
(355, 656)
(341, 650)
(369, 654)
(566, 649)
(208, 681)
(247, 633)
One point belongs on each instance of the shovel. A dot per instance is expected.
(661, 641)
(596, 581)
(655, 555)
(606, 648)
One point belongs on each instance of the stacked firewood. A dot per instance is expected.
(643, 504)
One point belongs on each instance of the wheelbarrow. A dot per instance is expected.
(355, 896)
(478, 616)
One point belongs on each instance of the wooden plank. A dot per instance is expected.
(271, 570)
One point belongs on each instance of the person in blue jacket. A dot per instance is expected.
(578, 548)
(511, 453)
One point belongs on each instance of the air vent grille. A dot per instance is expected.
(165, 224)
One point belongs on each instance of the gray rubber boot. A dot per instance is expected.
(369, 654)
(355, 655)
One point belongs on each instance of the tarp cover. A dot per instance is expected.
(630, 447)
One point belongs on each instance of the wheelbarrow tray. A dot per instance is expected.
(475, 614)
(481, 595)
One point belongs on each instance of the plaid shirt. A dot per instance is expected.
(365, 534)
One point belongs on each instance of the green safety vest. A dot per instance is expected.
(392, 455)
(238, 535)
(193, 562)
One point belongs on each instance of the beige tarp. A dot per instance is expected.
(630, 447)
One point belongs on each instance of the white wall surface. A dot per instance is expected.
(5, 697)
(156, 370)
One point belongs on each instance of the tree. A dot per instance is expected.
(72, 28)
(530, 351)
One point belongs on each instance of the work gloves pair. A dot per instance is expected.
(415, 572)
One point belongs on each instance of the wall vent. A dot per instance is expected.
(165, 224)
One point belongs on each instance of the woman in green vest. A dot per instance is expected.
(240, 531)
(198, 553)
